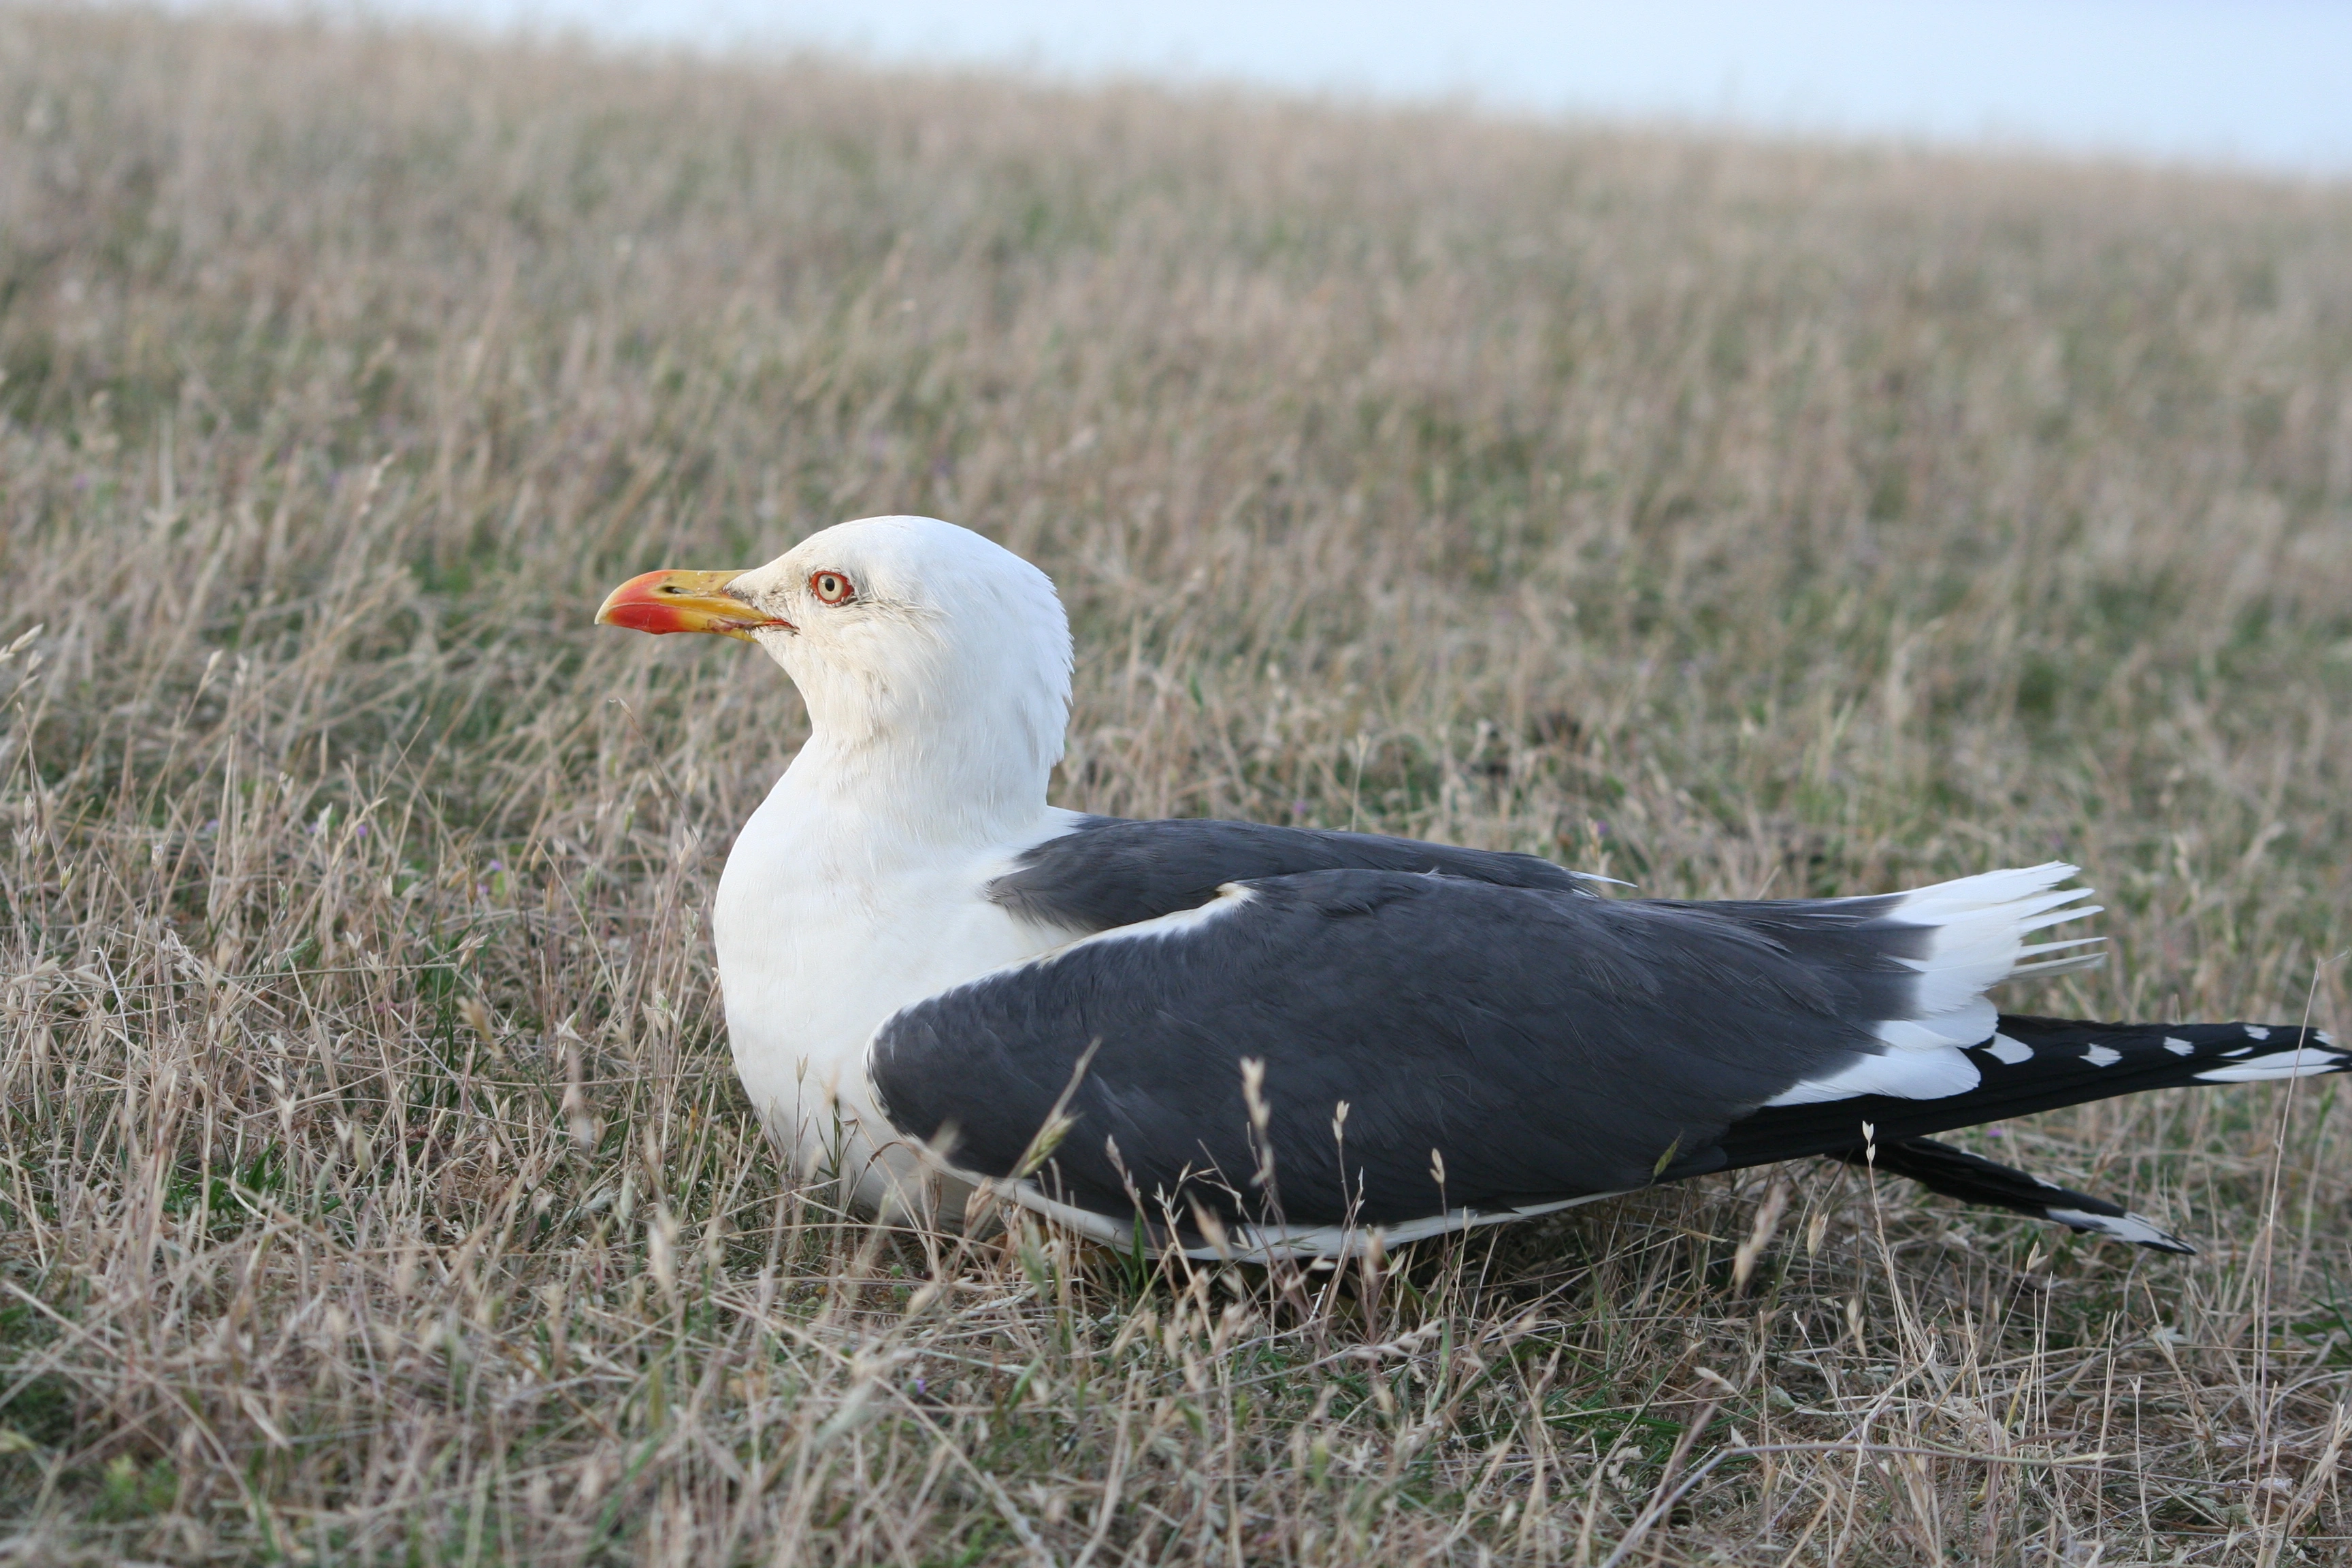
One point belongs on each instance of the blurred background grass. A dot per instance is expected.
(1738, 518)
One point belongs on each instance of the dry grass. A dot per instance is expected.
(373, 1185)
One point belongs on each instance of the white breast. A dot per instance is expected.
(825, 926)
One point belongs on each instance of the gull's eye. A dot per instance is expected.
(831, 588)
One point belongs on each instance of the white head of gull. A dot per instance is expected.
(1265, 1040)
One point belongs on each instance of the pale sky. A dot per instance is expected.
(2265, 83)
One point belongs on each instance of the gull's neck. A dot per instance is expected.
(956, 758)
(943, 792)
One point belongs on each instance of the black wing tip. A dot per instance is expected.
(2160, 1055)
(1973, 1179)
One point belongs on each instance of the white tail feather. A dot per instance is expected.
(1977, 929)
(1981, 925)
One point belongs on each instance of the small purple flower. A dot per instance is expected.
(361, 830)
(498, 866)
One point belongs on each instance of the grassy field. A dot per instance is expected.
(1734, 520)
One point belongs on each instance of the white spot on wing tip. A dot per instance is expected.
(2102, 1057)
(2257, 1032)
(2122, 1227)
(2302, 1062)
(2003, 1049)
(2178, 1047)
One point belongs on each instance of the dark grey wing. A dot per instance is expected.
(1532, 1044)
(1111, 872)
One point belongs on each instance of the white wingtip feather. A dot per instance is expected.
(2076, 964)
(1981, 925)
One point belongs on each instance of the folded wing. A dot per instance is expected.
(1433, 1042)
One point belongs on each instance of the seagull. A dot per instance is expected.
(1260, 1042)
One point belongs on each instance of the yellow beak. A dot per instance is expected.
(661, 602)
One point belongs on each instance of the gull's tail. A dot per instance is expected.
(2034, 1064)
